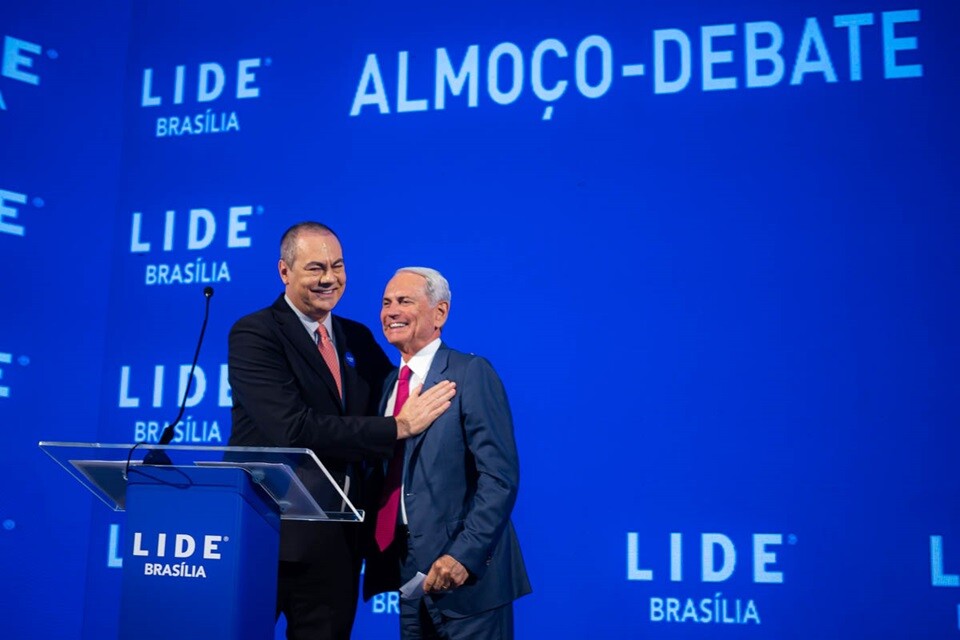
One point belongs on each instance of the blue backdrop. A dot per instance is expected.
(711, 248)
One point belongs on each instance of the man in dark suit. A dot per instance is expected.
(302, 377)
(459, 482)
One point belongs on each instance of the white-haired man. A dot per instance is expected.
(459, 481)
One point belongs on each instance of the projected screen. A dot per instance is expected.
(711, 248)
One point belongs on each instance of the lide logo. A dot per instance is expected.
(719, 558)
(7, 358)
(137, 384)
(939, 576)
(201, 230)
(198, 89)
(183, 550)
(9, 214)
(18, 61)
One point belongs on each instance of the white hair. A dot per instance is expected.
(437, 287)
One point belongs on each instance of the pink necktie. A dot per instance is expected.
(329, 355)
(386, 529)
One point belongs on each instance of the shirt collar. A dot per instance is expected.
(420, 362)
(311, 325)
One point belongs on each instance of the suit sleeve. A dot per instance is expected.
(263, 382)
(488, 427)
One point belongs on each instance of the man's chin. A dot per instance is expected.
(318, 312)
(395, 343)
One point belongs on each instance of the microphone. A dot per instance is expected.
(167, 435)
(156, 457)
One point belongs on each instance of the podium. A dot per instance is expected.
(201, 543)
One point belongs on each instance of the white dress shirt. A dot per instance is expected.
(312, 325)
(419, 367)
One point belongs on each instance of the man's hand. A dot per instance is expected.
(445, 574)
(419, 411)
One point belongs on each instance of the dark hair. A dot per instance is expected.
(288, 241)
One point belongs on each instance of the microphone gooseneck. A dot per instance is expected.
(167, 435)
(159, 457)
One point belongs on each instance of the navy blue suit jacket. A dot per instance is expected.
(460, 483)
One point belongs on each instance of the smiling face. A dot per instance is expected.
(316, 278)
(410, 321)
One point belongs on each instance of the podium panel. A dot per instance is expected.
(200, 558)
(202, 541)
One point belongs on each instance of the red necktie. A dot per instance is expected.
(386, 529)
(329, 355)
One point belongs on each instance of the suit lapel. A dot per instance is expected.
(437, 369)
(387, 391)
(347, 373)
(292, 328)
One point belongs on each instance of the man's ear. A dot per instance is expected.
(441, 313)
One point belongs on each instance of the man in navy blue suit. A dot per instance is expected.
(459, 481)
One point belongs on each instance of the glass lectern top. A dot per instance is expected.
(295, 478)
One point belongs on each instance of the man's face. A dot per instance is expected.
(316, 279)
(409, 321)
